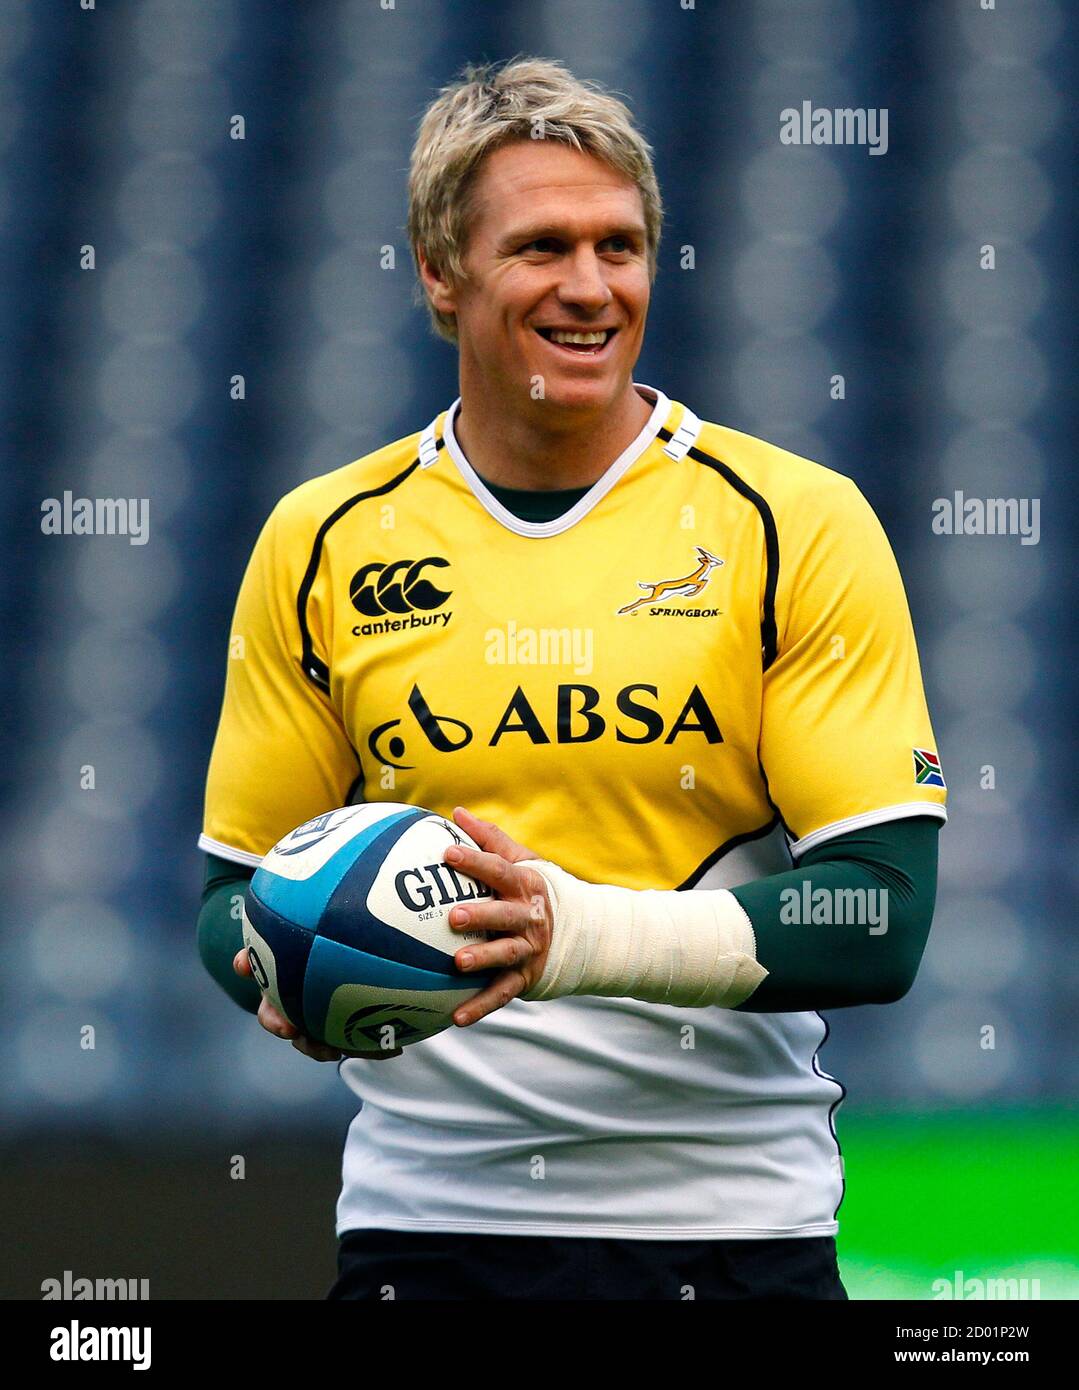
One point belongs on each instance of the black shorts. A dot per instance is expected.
(377, 1265)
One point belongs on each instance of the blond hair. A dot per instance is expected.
(493, 105)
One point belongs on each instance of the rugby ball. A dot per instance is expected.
(346, 926)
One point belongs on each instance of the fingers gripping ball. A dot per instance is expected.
(346, 926)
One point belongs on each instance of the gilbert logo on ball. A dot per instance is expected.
(346, 926)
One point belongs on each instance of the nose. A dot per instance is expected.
(583, 283)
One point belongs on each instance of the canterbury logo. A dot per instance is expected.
(400, 587)
(662, 590)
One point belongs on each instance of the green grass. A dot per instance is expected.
(993, 1194)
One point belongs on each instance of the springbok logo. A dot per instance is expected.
(688, 586)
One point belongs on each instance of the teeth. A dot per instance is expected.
(559, 335)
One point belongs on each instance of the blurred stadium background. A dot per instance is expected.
(262, 257)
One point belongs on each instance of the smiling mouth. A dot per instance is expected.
(584, 343)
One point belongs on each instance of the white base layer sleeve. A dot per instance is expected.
(691, 948)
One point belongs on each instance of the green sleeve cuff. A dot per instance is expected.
(822, 964)
(220, 929)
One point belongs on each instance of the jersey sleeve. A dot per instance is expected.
(846, 739)
(281, 754)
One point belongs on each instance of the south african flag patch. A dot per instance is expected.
(927, 771)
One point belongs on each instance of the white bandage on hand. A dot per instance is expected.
(690, 948)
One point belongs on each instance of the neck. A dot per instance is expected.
(537, 452)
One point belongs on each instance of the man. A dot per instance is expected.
(666, 656)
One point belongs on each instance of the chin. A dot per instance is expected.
(581, 394)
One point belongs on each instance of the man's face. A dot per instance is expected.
(557, 244)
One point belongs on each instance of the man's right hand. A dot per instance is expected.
(276, 1023)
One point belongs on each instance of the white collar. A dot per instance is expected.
(581, 508)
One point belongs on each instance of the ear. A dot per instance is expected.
(439, 290)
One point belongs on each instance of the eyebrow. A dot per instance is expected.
(521, 236)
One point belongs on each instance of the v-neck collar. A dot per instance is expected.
(599, 489)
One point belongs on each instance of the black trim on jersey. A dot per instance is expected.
(769, 651)
(832, 1109)
(313, 668)
(769, 638)
(717, 854)
(779, 814)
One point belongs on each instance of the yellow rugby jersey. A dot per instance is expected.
(715, 636)
(709, 650)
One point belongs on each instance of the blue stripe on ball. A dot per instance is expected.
(331, 964)
(291, 947)
(347, 918)
(304, 900)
